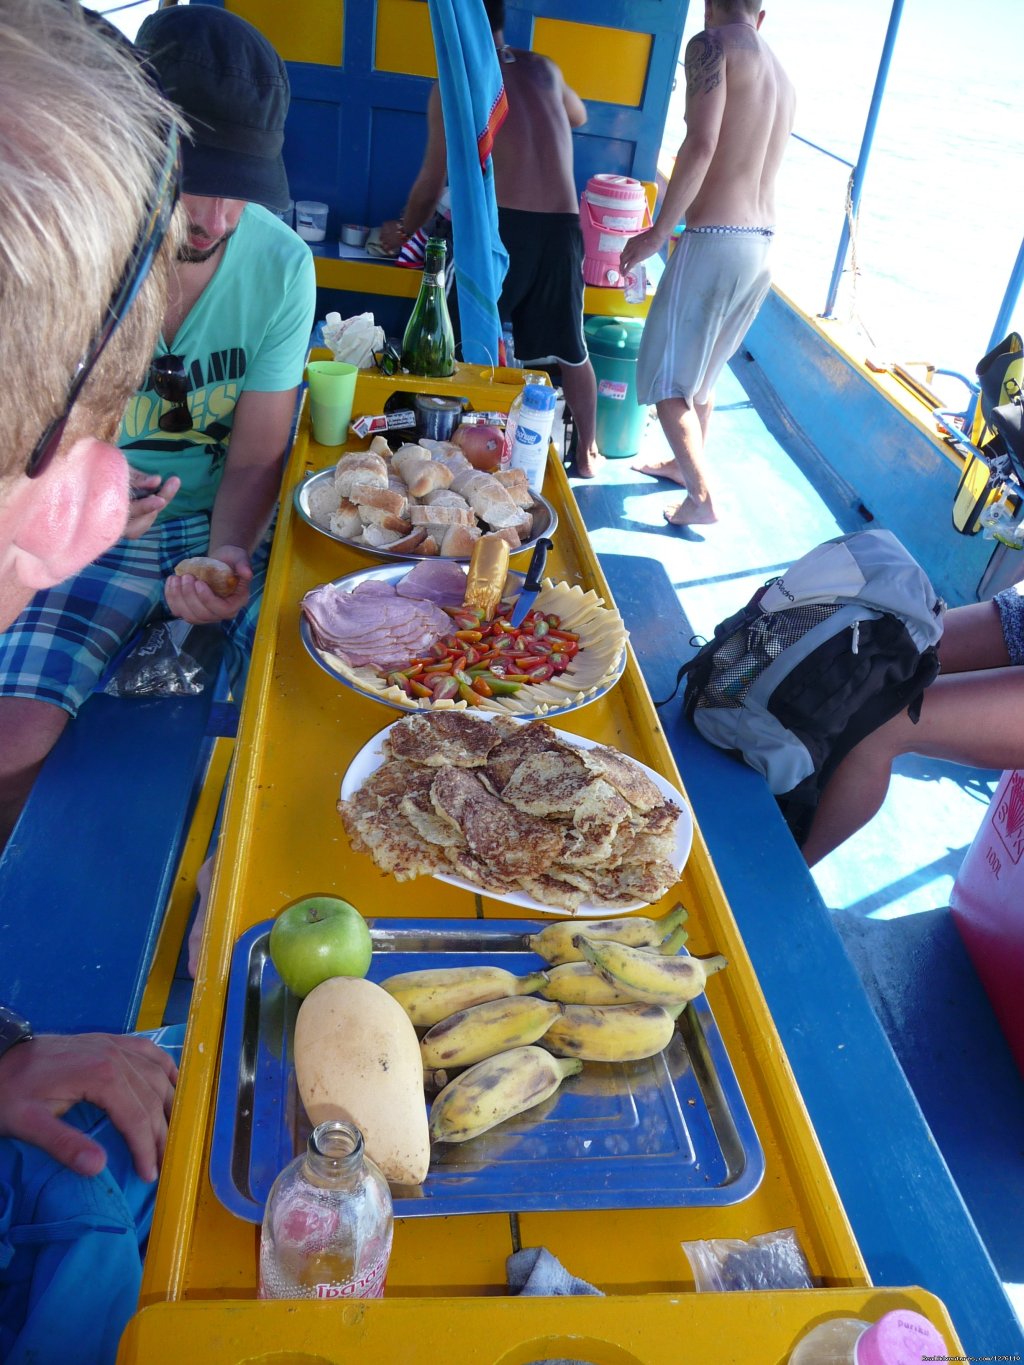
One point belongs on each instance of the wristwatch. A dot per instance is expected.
(13, 1029)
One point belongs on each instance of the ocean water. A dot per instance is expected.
(940, 223)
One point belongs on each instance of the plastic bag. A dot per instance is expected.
(772, 1261)
(160, 665)
(353, 340)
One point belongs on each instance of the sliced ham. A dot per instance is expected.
(435, 580)
(372, 624)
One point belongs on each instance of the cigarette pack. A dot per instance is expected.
(383, 421)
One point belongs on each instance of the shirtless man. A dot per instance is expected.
(739, 112)
(538, 219)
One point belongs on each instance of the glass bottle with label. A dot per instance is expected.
(328, 1222)
(428, 346)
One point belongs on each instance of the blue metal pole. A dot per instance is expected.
(857, 177)
(1014, 285)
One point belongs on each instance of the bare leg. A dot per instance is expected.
(972, 638)
(966, 718)
(670, 468)
(28, 731)
(579, 384)
(684, 432)
(704, 411)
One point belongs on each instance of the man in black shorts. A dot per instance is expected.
(538, 218)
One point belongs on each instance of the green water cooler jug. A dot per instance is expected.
(613, 344)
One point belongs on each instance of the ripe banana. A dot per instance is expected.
(482, 1030)
(649, 976)
(433, 994)
(555, 943)
(577, 983)
(611, 1033)
(495, 1090)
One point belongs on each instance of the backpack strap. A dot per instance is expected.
(697, 669)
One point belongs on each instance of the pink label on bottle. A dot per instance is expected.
(611, 388)
(369, 1285)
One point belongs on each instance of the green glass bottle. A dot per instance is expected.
(428, 346)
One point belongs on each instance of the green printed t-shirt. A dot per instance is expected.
(249, 329)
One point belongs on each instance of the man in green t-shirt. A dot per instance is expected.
(207, 432)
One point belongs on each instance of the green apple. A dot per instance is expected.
(316, 938)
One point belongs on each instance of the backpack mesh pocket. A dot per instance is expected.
(743, 656)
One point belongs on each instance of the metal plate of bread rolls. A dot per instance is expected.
(365, 503)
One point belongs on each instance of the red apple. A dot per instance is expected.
(316, 938)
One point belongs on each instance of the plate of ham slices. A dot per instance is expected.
(397, 634)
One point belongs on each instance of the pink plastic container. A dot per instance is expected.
(613, 208)
(987, 904)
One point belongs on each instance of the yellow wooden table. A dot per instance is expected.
(281, 839)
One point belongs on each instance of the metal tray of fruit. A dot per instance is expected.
(672, 1130)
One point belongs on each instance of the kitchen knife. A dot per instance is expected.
(531, 587)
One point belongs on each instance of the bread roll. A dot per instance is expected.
(346, 520)
(379, 446)
(376, 516)
(510, 535)
(361, 467)
(220, 576)
(324, 500)
(420, 472)
(489, 499)
(385, 499)
(514, 483)
(379, 537)
(459, 540)
(413, 541)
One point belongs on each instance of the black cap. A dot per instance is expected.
(233, 88)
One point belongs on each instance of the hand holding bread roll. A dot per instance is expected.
(220, 576)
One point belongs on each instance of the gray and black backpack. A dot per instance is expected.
(816, 660)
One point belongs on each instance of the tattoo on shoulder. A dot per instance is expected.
(705, 59)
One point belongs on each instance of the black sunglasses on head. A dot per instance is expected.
(169, 381)
(147, 244)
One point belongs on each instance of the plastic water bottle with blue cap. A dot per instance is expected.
(533, 434)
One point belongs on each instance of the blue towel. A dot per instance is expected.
(474, 107)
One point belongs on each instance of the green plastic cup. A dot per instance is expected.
(332, 387)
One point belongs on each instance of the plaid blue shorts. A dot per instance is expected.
(61, 644)
(1010, 605)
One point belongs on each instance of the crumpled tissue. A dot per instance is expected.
(353, 340)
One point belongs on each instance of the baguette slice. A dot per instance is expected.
(361, 467)
(384, 499)
(432, 515)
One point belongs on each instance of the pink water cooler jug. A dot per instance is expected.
(613, 208)
(987, 904)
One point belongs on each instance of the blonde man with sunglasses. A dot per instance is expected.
(88, 185)
(208, 428)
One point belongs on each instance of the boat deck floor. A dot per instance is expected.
(887, 889)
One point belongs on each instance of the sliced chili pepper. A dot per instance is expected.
(519, 678)
(565, 635)
(473, 636)
(482, 686)
(468, 695)
(442, 666)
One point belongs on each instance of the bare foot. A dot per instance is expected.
(690, 513)
(669, 470)
(589, 466)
